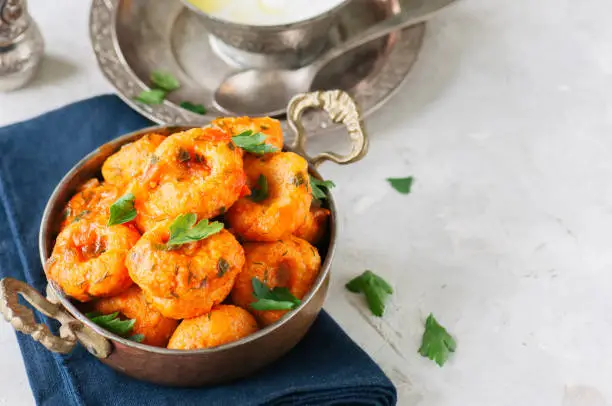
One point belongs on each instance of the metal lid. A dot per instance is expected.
(14, 19)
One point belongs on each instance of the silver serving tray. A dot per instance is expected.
(131, 38)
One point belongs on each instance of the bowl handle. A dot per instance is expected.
(342, 109)
(22, 319)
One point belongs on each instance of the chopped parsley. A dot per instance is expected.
(112, 323)
(272, 299)
(320, 187)
(260, 193)
(194, 108)
(185, 230)
(222, 267)
(183, 155)
(122, 210)
(164, 80)
(151, 96)
(80, 216)
(253, 142)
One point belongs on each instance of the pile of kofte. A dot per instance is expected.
(195, 239)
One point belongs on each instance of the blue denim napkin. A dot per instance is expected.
(326, 368)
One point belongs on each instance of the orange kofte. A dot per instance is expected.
(222, 325)
(287, 203)
(290, 263)
(148, 244)
(151, 324)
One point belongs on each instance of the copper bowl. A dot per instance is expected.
(177, 367)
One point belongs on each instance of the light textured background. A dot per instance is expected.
(506, 124)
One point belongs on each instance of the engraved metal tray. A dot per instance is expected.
(131, 38)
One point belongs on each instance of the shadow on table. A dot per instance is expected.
(53, 70)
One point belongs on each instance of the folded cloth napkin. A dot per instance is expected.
(326, 368)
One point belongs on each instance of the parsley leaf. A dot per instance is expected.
(112, 323)
(122, 210)
(375, 289)
(151, 97)
(137, 338)
(319, 187)
(184, 229)
(437, 344)
(253, 142)
(272, 299)
(164, 80)
(195, 108)
(402, 185)
(260, 193)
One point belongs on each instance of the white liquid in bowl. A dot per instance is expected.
(265, 12)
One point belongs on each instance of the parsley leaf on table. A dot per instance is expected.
(122, 210)
(185, 230)
(164, 80)
(375, 289)
(151, 97)
(253, 142)
(319, 186)
(437, 344)
(260, 193)
(402, 185)
(195, 108)
(272, 299)
(112, 322)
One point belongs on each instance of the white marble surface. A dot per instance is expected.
(506, 125)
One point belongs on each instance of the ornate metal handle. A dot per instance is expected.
(342, 109)
(22, 319)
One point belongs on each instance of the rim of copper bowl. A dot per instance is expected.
(276, 27)
(74, 311)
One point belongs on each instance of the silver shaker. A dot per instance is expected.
(21, 45)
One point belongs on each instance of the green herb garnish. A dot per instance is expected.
(151, 97)
(437, 344)
(195, 108)
(164, 80)
(298, 180)
(253, 142)
(122, 210)
(272, 299)
(184, 155)
(402, 185)
(319, 187)
(260, 192)
(375, 289)
(80, 216)
(185, 230)
(222, 267)
(112, 323)
(137, 338)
